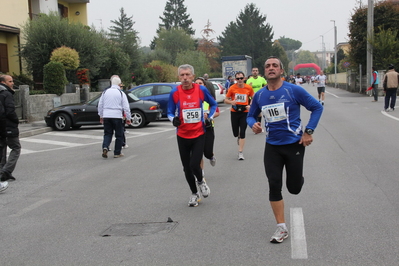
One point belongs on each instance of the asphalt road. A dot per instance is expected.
(71, 207)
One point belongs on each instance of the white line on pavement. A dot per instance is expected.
(52, 142)
(298, 236)
(80, 136)
(388, 115)
(31, 207)
(332, 94)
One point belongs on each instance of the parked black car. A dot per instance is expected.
(82, 114)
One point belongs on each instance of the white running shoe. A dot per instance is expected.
(203, 187)
(3, 186)
(125, 147)
(194, 199)
(240, 156)
(213, 161)
(279, 236)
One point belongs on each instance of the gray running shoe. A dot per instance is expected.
(203, 187)
(241, 156)
(118, 155)
(3, 186)
(194, 199)
(279, 235)
(213, 161)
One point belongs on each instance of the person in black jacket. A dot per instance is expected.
(11, 139)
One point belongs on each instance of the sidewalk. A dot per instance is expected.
(34, 128)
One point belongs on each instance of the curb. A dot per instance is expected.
(34, 132)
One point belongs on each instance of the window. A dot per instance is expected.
(164, 89)
(3, 58)
(143, 92)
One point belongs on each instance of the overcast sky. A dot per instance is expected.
(303, 20)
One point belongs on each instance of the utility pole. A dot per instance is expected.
(335, 53)
(370, 35)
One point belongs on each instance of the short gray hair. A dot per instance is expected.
(275, 57)
(186, 66)
(116, 81)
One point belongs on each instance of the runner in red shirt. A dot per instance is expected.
(185, 110)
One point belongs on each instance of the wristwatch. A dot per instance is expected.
(309, 131)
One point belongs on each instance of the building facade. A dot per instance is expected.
(18, 12)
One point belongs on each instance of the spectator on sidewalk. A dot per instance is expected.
(390, 83)
(374, 83)
(11, 138)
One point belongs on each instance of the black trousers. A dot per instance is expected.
(390, 96)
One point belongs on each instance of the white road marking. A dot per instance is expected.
(332, 94)
(52, 142)
(66, 145)
(31, 207)
(69, 135)
(298, 236)
(390, 116)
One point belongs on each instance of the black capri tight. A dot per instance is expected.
(239, 123)
(209, 141)
(275, 158)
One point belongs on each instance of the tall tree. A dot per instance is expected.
(386, 16)
(123, 33)
(208, 46)
(385, 48)
(248, 35)
(174, 41)
(175, 17)
(195, 58)
(289, 44)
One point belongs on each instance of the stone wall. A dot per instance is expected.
(35, 107)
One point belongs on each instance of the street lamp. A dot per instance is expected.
(335, 53)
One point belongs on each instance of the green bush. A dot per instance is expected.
(54, 79)
(23, 79)
(66, 56)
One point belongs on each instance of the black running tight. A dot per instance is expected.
(276, 157)
(191, 152)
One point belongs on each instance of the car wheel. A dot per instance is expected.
(62, 122)
(138, 119)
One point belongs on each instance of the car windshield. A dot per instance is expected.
(132, 96)
(96, 99)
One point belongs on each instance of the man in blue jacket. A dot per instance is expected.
(280, 103)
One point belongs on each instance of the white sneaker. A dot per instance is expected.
(213, 161)
(3, 186)
(279, 236)
(240, 156)
(194, 199)
(203, 187)
(125, 147)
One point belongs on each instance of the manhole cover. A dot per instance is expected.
(139, 229)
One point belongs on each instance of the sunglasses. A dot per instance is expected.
(239, 78)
